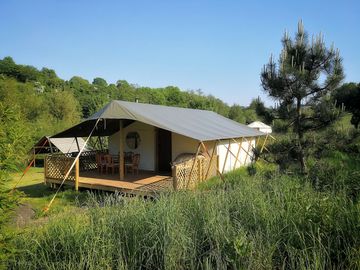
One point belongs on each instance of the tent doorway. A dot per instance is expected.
(163, 153)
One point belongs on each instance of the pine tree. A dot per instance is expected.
(306, 73)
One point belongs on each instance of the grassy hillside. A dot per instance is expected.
(263, 217)
(261, 222)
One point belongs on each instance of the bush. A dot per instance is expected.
(338, 172)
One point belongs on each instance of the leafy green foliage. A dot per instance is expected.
(12, 136)
(348, 95)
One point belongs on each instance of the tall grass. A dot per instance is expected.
(260, 222)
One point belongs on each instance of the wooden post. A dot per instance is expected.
(101, 145)
(262, 148)
(217, 161)
(248, 150)
(211, 160)
(77, 144)
(34, 156)
(243, 147)
(45, 169)
(200, 174)
(173, 172)
(77, 168)
(237, 154)
(226, 157)
(121, 152)
(193, 165)
(51, 148)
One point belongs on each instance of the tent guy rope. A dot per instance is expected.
(71, 167)
(25, 171)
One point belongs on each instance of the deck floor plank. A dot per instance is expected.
(145, 182)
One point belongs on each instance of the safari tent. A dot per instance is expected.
(261, 127)
(176, 148)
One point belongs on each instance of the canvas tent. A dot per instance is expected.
(185, 129)
(261, 127)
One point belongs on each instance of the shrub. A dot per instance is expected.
(338, 172)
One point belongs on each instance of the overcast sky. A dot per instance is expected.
(216, 46)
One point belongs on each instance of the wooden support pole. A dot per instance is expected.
(217, 161)
(226, 156)
(175, 180)
(34, 157)
(100, 142)
(238, 153)
(77, 144)
(249, 145)
(200, 170)
(211, 160)
(193, 164)
(50, 144)
(121, 152)
(77, 169)
(262, 148)
(243, 147)
(272, 137)
(231, 153)
(45, 169)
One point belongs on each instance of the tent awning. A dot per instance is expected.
(197, 124)
(64, 145)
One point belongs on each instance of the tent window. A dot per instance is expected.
(133, 140)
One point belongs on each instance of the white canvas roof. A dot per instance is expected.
(258, 124)
(67, 145)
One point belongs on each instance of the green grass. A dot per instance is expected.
(262, 222)
(38, 195)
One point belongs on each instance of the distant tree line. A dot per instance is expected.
(47, 104)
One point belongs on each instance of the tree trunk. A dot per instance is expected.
(300, 136)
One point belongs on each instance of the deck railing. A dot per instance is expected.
(187, 174)
(57, 165)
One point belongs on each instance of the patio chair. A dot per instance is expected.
(128, 156)
(134, 164)
(111, 163)
(101, 162)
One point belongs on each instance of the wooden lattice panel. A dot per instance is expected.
(57, 165)
(87, 161)
(189, 174)
(212, 171)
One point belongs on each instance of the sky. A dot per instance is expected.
(219, 47)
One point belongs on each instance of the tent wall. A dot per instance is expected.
(146, 148)
(182, 144)
(234, 147)
(263, 129)
(266, 130)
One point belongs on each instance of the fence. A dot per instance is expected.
(187, 174)
(57, 165)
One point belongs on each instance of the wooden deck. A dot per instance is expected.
(145, 183)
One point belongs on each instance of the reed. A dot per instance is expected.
(244, 223)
